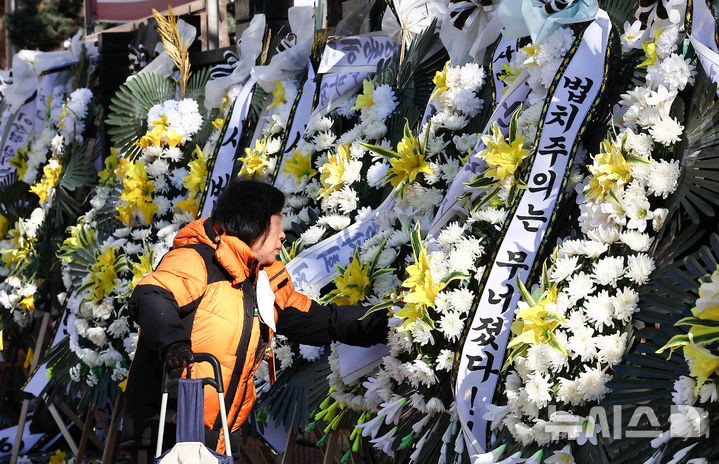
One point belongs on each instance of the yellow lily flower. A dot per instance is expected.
(112, 162)
(254, 162)
(139, 270)
(502, 158)
(421, 290)
(58, 458)
(703, 363)
(440, 81)
(152, 138)
(353, 284)
(190, 205)
(27, 303)
(536, 323)
(410, 163)
(299, 165)
(173, 138)
(279, 95)
(20, 161)
(650, 49)
(366, 98)
(136, 193)
(102, 274)
(51, 174)
(195, 180)
(608, 169)
(332, 172)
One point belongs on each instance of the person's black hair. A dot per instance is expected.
(245, 208)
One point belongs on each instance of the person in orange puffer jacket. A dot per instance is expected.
(201, 298)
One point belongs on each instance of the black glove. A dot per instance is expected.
(178, 355)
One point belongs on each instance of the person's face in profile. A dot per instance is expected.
(268, 246)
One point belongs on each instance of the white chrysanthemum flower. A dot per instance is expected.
(663, 178)
(335, 221)
(374, 130)
(284, 355)
(422, 333)
(625, 303)
(580, 286)
(119, 327)
(678, 72)
(465, 142)
(539, 389)
(313, 234)
(450, 234)
(639, 268)
(319, 125)
(323, 140)
(593, 383)
(666, 131)
(582, 344)
(451, 325)
(445, 360)
(435, 405)
(311, 353)
(611, 348)
(636, 240)
(562, 268)
(97, 336)
(607, 271)
(600, 309)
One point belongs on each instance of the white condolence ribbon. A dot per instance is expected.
(574, 94)
(223, 159)
(16, 133)
(702, 33)
(298, 119)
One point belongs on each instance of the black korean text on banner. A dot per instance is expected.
(355, 54)
(701, 29)
(346, 62)
(573, 95)
(16, 134)
(226, 150)
(298, 119)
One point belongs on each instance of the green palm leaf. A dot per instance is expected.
(129, 108)
(16, 200)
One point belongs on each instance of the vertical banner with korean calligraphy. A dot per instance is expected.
(223, 159)
(48, 81)
(299, 117)
(574, 94)
(701, 29)
(16, 134)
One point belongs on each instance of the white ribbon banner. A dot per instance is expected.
(299, 118)
(16, 134)
(485, 343)
(7, 439)
(355, 53)
(703, 38)
(47, 82)
(226, 150)
(503, 54)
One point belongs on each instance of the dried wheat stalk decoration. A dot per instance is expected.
(170, 36)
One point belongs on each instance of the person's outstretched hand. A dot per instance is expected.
(178, 355)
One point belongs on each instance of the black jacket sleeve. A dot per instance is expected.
(158, 315)
(323, 324)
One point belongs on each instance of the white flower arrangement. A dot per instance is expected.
(145, 201)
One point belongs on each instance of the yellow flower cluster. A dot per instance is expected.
(440, 81)
(409, 164)
(140, 269)
(353, 282)
(136, 195)
(502, 157)
(51, 173)
(194, 182)
(536, 323)
(22, 247)
(279, 96)
(366, 98)
(255, 161)
(300, 165)
(115, 167)
(421, 290)
(332, 173)
(20, 161)
(103, 274)
(609, 169)
(160, 135)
